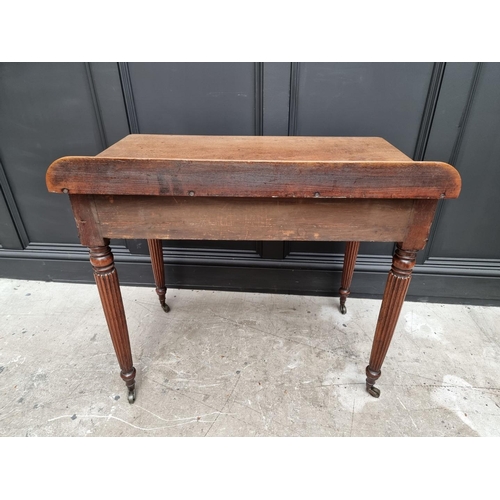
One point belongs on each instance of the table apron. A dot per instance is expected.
(204, 218)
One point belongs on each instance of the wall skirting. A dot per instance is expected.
(467, 281)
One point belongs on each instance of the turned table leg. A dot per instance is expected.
(392, 302)
(351, 253)
(156, 252)
(106, 278)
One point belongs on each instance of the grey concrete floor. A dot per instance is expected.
(242, 364)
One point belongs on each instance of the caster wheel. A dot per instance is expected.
(165, 308)
(131, 396)
(373, 391)
(343, 309)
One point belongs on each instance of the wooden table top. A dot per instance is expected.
(253, 166)
(254, 148)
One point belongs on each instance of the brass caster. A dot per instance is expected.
(373, 391)
(165, 307)
(131, 396)
(343, 309)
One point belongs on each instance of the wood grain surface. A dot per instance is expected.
(262, 167)
(254, 148)
(94, 175)
(155, 217)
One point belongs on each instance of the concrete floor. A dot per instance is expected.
(242, 364)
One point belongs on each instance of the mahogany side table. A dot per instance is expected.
(253, 188)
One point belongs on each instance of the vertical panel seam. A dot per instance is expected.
(96, 105)
(259, 97)
(13, 209)
(128, 97)
(429, 110)
(465, 115)
(294, 99)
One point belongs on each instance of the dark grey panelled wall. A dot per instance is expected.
(433, 111)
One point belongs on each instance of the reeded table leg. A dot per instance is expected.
(106, 278)
(392, 302)
(156, 252)
(351, 253)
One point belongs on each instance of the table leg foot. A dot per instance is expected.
(351, 253)
(156, 253)
(373, 391)
(371, 377)
(162, 292)
(129, 379)
(131, 396)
